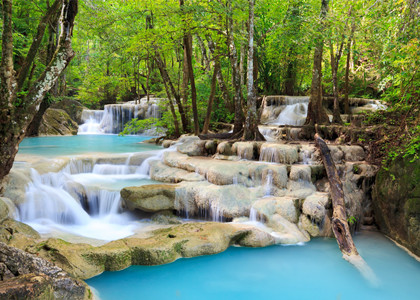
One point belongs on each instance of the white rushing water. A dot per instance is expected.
(114, 116)
(294, 112)
(83, 199)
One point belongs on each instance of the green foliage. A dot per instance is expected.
(136, 125)
(352, 220)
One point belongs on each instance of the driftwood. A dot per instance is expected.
(339, 222)
(339, 218)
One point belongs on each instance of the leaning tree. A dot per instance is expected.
(18, 104)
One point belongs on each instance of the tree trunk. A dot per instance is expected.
(204, 53)
(251, 131)
(187, 44)
(220, 80)
(346, 80)
(339, 219)
(17, 112)
(316, 113)
(172, 108)
(335, 60)
(211, 98)
(168, 81)
(236, 76)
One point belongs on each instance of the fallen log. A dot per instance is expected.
(339, 222)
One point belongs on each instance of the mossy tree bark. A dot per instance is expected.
(18, 106)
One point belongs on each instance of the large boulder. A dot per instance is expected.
(57, 122)
(72, 107)
(26, 276)
(396, 202)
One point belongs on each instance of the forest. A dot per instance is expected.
(197, 54)
(139, 132)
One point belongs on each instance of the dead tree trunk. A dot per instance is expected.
(339, 222)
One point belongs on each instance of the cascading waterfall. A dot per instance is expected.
(294, 112)
(113, 118)
(81, 199)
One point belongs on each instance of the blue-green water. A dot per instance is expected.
(313, 271)
(79, 144)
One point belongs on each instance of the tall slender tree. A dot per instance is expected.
(251, 131)
(316, 112)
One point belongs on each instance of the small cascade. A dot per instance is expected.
(83, 198)
(268, 184)
(294, 113)
(101, 202)
(91, 121)
(114, 117)
(48, 191)
(253, 215)
(216, 215)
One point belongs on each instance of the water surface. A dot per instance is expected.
(80, 144)
(313, 271)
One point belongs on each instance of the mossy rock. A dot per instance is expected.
(72, 107)
(396, 201)
(57, 122)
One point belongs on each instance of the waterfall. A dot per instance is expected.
(114, 117)
(253, 215)
(83, 199)
(268, 184)
(294, 112)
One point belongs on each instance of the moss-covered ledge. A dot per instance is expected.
(396, 200)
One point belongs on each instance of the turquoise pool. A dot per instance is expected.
(313, 271)
(79, 144)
